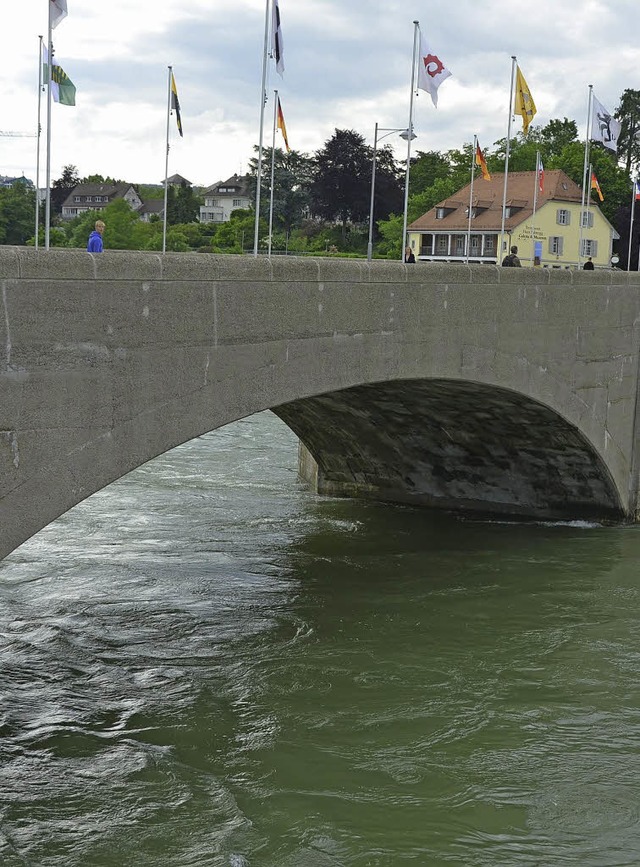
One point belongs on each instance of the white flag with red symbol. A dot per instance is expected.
(431, 71)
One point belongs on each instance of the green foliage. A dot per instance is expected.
(236, 236)
(293, 173)
(17, 213)
(628, 113)
(183, 206)
(342, 184)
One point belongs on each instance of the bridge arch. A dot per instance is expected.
(109, 361)
(451, 444)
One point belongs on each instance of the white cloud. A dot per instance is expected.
(347, 66)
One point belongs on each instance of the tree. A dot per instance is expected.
(183, 206)
(628, 113)
(556, 135)
(17, 213)
(426, 168)
(61, 188)
(341, 186)
(293, 174)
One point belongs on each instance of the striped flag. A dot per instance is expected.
(57, 11)
(282, 126)
(596, 186)
(63, 90)
(480, 161)
(277, 48)
(175, 103)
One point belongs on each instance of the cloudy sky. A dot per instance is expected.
(348, 66)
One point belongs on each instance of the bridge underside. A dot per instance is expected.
(453, 445)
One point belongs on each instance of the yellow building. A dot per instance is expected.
(557, 234)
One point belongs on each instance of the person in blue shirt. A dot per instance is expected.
(94, 244)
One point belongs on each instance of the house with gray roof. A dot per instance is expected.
(223, 198)
(96, 197)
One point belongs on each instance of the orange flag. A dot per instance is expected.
(480, 161)
(282, 126)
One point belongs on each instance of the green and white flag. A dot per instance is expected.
(63, 90)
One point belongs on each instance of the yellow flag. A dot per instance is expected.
(525, 106)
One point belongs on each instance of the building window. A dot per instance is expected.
(76, 198)
(589, 247)
(440, 213)
(442, 243)
(488, 244)
(563, 217)
(586, 219)
(475, 243)
(555, 245)
(237, 203)
(460, 244)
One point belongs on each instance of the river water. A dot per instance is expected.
(205, 664)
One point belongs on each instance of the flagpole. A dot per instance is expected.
(633, 208)
(166, 164)
(506, 159)
(38, 132)
(416, 25)
(273, 165)
(263, 101)
(584, 220)
(47, 207)
(536, 185)
(585, 180)
(473, 163)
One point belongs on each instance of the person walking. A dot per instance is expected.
(511, 260)
(408, 255)
(94, 244)
(588, 265)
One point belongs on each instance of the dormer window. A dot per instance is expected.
(440, 213)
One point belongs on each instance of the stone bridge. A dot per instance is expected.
(512, 392)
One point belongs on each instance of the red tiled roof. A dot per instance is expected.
(487, 195)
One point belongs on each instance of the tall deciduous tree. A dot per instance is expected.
(62, 186)
(342, 184)
(293, 174)
(628, 113)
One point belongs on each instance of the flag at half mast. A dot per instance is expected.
(57, 11)
(431, 71)
(524, 105)
(596, 186)
(480, 161)
(175, 103)
(282, 126)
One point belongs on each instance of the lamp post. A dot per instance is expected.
(403, 133)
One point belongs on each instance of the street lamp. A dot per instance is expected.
(403, 133)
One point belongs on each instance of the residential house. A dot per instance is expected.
(557, 233)
(151, 208)
(95, 197)
(223, 198)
